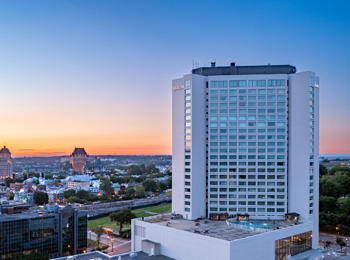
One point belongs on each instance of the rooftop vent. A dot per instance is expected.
(232, 64)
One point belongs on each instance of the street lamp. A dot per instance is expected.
(90, 233)
(112, 243)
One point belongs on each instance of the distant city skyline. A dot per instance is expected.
(98, 74)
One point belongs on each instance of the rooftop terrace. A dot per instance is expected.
(217, 229)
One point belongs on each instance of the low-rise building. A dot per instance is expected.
(57, 233)
(73, 184)
(209, 239)
(17, 186)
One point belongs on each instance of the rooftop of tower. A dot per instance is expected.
(79, 152)
(244, 70)
(5, 150)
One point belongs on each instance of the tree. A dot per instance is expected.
(347, 205)
(40, 197)
(83, 194)
(48, 177)
(34, 174)
(339, 168)
(122, 217)
(340, 242)
(61, 177)
(343, 180)
(69, 193)
(130, 192)
(343, 229)
(98, 231)
(327, 203)
(328, 187)
(151, 168)
(8, 181)
(139, 192)
(162, 186)
(106, 187)
(150, 185)
(327, 244)
(134, 170)
(323, 170)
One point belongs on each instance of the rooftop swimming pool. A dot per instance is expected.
(253, 224)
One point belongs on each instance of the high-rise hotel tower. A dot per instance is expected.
(245, 141)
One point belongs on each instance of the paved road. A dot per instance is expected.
(120, 245)
(335, 247)
(109, 207)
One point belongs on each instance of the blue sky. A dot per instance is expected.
(81, 71)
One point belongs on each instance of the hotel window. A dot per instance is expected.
(238, 83)
(276, 82)
(218, 84)
(257, 83)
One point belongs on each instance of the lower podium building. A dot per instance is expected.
(53, 233)
(179, 238)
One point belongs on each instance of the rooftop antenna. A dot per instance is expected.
(192, 64)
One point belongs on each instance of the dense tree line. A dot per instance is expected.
(334, 199)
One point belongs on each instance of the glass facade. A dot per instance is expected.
(293, 245)
(247, 147)
(28, 236)
(30, 233)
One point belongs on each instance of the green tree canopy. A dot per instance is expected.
(106, 187)
(48, 176)
(327, 204)
(69, 193)
(340, 242)
(339, 168)
(139, 192)
(134, 170)
(151, 168)
(150, 185)
(122, 217)
(346, 205)
(343, 180)
(83, 194)
(40, 197)
(98, 231)
(323, 170)
(162, 186)
(8, 181)
(130, 191)
(328, 187)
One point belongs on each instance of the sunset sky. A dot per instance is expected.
(97, 74)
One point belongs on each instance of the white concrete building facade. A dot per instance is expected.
(258, 126)
(245, 142)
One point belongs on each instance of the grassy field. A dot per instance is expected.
(168, 193)
(105, 222)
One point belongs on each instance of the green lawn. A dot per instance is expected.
(168, 193)
(105, 222)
